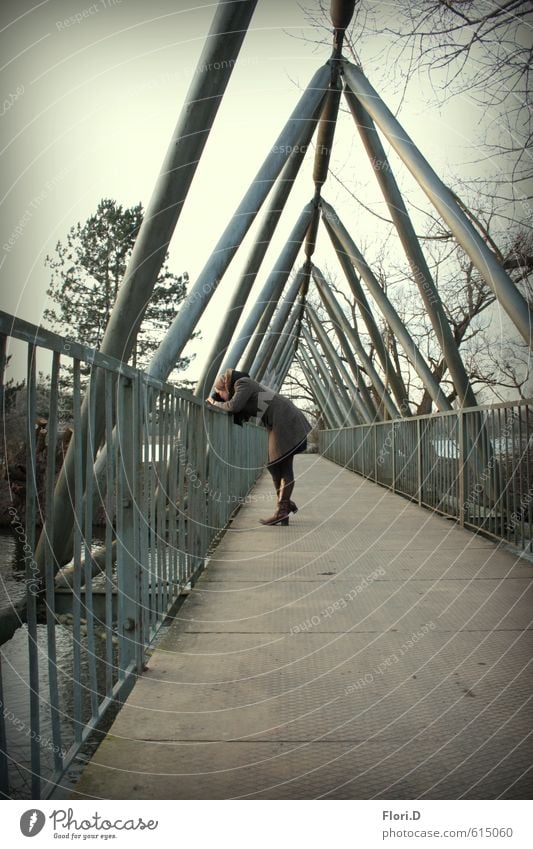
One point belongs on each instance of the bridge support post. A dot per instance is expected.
(128, 554)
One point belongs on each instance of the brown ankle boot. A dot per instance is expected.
(281, 516)
(292, 506)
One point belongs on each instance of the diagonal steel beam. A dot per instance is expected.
(287, 339)
(259, 318)
(413, 251)
(191, 310)
(444, 202)
(389, 313)
(394, 379)
(192, 131)
(262, 359)
(354, 397)
(216, 361)
(352, 343)
(352, 414)
(314, 381)
(340, 407)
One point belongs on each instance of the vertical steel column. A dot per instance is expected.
(444, 202)
(205, 93)
(352, 393)
(279, 320)
(392, 377)
(413, 251)
(389, 313)
(194, 305)
(337, 316)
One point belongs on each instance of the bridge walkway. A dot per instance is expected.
(371, 649)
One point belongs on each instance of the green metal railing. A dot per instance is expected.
(175, 471)
(474, 465)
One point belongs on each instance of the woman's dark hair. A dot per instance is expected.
(233, 378)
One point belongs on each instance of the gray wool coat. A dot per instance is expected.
(286, 425)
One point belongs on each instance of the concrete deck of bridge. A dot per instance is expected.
(370, 650)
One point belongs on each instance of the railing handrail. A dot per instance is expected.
(37, 335)
(500, 405)
(472, 464)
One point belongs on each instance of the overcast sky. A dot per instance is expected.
(91, 94)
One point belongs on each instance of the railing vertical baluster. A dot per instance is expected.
(110, 510)
(393, 449)
(419, 461)
(136, 463)
(462, 490)
(127, 561)
(529, 473)
(145, 511)
(4, 760)
(76, 593)
(182, 507)
(49, 564)
(32, 576)
(88, 536)
(161, 500)
(154, 568)
(171, 500)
